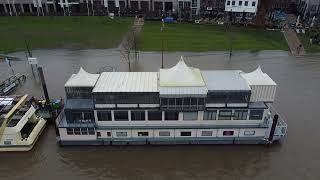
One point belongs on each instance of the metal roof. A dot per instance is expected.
(127, 82)
(225, 80)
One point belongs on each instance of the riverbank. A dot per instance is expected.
(58, 32)
(200, 38)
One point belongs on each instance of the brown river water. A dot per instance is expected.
(295, 158)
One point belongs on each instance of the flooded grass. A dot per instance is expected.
(310, 48)
(56, 32)
(196, 37)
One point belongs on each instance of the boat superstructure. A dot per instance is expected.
(20, 127)
(178, 105)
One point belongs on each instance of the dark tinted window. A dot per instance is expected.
(225, 114)
(154, 115)
(121, 115)
(210, 115)
(104, 115)
(240, 115)
(138, 116)
(256, 114)
(185, 133)
(171, 115)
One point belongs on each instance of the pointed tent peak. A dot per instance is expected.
(257, 77)
(82, 79)
(181, 75)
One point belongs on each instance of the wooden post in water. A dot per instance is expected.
(273, 127)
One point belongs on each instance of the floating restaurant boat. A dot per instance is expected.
(179, 105)
(20, 127)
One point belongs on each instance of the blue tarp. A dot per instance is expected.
(168, 19)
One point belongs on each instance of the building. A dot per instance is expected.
(308, 8)
(179, 105)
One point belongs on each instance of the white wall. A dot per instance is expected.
(65, 136)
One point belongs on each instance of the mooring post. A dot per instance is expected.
(273, 127)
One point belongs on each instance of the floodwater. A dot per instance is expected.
(296, 158)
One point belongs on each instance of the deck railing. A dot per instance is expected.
(281, 125)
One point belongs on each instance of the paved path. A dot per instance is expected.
(292, 38)
(136, 28)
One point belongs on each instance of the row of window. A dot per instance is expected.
(246, 3)
(80, 131)
(174, 115)
(207, 133)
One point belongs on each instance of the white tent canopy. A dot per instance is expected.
(181, 75)
(82, 79)
(257, 77)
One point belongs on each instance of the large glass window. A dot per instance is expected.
(121, 134)
(84, 131)
(228, 133)
(240, 115)
(185, 133)
(91, 131)
(171, 115)
(210, 115)
(104, 115)
(225, 114)
(189, 116)
(240, 3)
(154, 115)
(256, 114)
(138, 116)
(206, 133)
(121, 116)
(144, 133)
(76, 131)
(70, 131)
(164, 133)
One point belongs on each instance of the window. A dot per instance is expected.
(171, 115)
(233, 3)
(256, 114)
(240, 115)
(189, 116)
(98, 134)
(206, 133)
(109, 134)
(185, 133)
(249, 133)
(186, 101)
(253, 3)
(143, 133)
(88, 116)
(121, 134)
(104, 115)
(172, 102)
(225, 115)
(228, 3)
(228, 133)
(138, 116)
(240, 3)
(84, 131)
(210, 115)
(179, 101)
(164, 133)
(70, 131)
(154, 115)
(246, 3)
(164, 102)
(91, 131)
(194, 101)
(76, 131)
(121, 115)
(76, 116)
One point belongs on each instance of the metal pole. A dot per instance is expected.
(44, 86)
(273, 127)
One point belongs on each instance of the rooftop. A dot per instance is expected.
(257, 77)
(127, 82)
(228, 80)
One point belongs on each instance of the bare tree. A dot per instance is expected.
(128, 45)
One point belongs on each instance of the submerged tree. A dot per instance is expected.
(128, 45)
